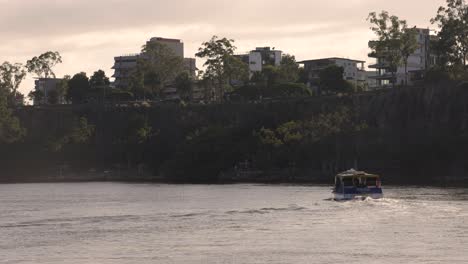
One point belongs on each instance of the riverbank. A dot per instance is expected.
(412, 135)
(244, 177)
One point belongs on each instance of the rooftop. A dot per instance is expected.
(166, 39)
(355, 173)
(331, 58)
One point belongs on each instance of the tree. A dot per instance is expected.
(288, 90)
(408, 45)
(184, 86)
(17, 99)
(453, 35)
(36, 96)
(79, 132)
(217, 52)
(270, 75)
(11, 76)
(136, 84)
(387, 48)
(10, 127)
(236, 70)
(288, 69)
(331, 80)
(99, 83)
(99, 80)
(286, 72)
(62, 87)
(42, 65)
(78, 88)
(158, 66)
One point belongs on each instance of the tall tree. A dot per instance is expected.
(184, 86)
(42, 65)
(159, 66)
(78, 88)
(453, 34)
(289, 69)
(62, 87)
(236, 71)
(408, 45)
(10, 127)
(387, 47)
(217, 51)
(331, 80)
(136, 84)
(11, 76)
(36, 96)
(99, 79)
(99, 83)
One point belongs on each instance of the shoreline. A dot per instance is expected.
(451, 184)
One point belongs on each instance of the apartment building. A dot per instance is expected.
(124, 65)
(258, 58)
(47, 86)
(353, 70)
(418, 63)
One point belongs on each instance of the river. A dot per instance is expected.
(152, 223)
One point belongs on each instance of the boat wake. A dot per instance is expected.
(290, 208)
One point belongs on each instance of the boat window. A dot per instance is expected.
(348, 182)
(359, 182)
(372, 182)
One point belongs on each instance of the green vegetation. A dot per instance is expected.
(78, 88)
(42, 65)
(220, 64)
(157, 67)
(11, 76)
(10, 128)
(184, 85)
(331, 80)
(452, 41)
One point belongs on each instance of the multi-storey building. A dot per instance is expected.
(353, 70)
(48, 86)
(126, 64)
(123, 67)
(258, 58)
(418, 63)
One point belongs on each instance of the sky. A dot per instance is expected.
(89, 33)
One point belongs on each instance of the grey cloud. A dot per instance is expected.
(90, 32)
(23, 18)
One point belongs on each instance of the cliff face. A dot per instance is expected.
(414, 135)
(425, 130)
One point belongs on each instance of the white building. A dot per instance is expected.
(418, 63)
(126, 64)
(258, 58)
(176, 45)
(353, 70)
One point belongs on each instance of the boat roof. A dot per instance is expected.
(354, 173)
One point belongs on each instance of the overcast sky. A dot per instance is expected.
(89, 33)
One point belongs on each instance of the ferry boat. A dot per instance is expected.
(354, 184)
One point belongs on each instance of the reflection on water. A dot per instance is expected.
(145, 223)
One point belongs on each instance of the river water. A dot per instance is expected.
(147, 223)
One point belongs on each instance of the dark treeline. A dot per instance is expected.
(411, 135)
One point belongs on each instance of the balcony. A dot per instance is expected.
(385, 76)
(379, 66)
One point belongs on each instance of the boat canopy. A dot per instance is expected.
(354, 173)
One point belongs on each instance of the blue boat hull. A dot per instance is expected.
(355, 193)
